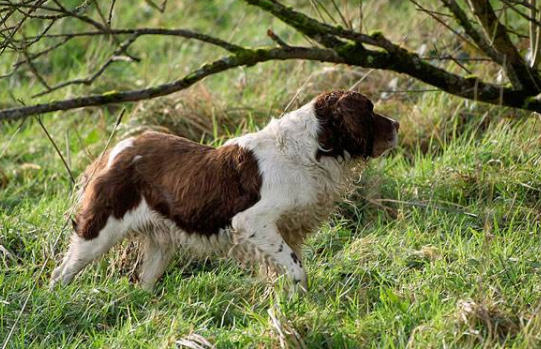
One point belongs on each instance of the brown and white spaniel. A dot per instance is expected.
(256, 197)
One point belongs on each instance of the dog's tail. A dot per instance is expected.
(82, 182)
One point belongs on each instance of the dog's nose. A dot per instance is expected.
(396, 124)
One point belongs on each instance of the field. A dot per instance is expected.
(438, 247)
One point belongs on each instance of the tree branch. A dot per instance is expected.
(436, 17)
(396, 58)
(341, 46)
(496, 32)
(477, 37)
(401, 61)
(188, 34)
(115, 57)
(247, 57)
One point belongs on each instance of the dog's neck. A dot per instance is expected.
(297, 135)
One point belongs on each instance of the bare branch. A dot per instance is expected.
(401, 60)
(276, 38)
(341, 46)
(495, 31)
(184, 33)
(247, 57)
(517, 70)
(110, 19)
(75, 13)
(9, 38)
(322, 33)
(71, 176)
(436, 15)
(477, 37)
(87, 81)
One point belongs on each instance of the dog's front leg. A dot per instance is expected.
(259, 230)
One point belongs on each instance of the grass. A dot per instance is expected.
(437, 248)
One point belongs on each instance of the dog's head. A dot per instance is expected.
(349, 124)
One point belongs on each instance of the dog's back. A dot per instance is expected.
(200, 188)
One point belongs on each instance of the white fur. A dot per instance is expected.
(293, 181)
(119, 148)
(160, 238)
(81, 251)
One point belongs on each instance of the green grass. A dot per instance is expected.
(439, 247)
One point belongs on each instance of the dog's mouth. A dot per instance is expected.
(385, 135)
(383, 147)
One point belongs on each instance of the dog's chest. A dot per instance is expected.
(310, 204)
(296, 224)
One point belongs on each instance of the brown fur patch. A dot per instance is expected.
(348, 123)
(200, 188)
(384, 131)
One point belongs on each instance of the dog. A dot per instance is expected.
(255, 198)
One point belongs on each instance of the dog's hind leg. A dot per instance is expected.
(83, 251)
(156, 256)
(87, 246)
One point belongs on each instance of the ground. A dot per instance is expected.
(437, 248)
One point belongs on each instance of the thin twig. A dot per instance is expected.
(452, 58)
(9, 39)
(117, 123)
(477, 37)
(434, 15)
(276, 38)
(115, 57)
(161, 8)
(455, 61)
(342, 17)
(43, 52)
(109, 20)
(316, 5)
(361, 16)
(34, 70)
(6, 145)
(188, 34)
(535, 36)
(72, 178)
(299, 90)
(530, 19)
(101, 14)
(519, 73)
(410, 90)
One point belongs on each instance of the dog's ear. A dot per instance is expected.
(347, 124)
(357, 123)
